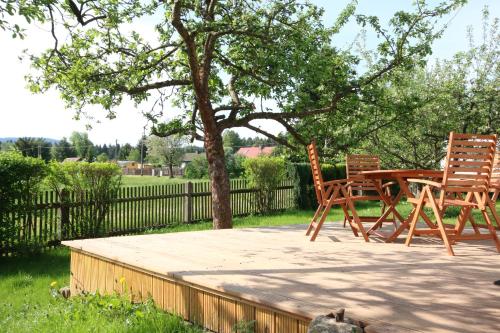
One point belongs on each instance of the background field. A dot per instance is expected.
(153, 180)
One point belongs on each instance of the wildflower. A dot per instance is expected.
(53, 284)
(122, 280)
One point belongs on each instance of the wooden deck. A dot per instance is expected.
(279, 278)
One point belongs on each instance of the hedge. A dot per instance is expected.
(303, 182)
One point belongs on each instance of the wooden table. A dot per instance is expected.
(401, 177)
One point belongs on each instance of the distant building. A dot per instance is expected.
(127, 164)
(255, 151)
(72, 159)
(189, 157)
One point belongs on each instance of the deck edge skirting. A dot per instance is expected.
(213, 309)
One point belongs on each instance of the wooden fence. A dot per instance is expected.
(134, 209)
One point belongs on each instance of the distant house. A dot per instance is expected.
(127, 164)
(72, 159)
(189, 157)
(255, 151)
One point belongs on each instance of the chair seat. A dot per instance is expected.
(365, 197)
(447, 202)
(337, 201)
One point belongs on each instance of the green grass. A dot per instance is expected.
(152, 180)
(304, 216)
(29, 304)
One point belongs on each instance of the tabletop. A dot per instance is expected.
(402, 173)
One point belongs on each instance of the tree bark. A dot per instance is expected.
(171, 169)
(221, 204)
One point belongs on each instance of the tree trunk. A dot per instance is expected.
(221, 205)
(171, 169)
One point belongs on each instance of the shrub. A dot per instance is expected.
(20, 178)
(93, 185)
(303, 183)
(264, 174)
(234, 165)
(197, 169)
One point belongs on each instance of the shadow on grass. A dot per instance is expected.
(50, 262)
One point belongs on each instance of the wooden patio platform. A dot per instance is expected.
(279, 278)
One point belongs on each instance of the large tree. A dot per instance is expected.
(217, 60)
(459, 94)
(82, 145)
(34, 147)
(167, 150)
(61, 150)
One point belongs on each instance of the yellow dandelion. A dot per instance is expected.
(53, 284)
(122, 280)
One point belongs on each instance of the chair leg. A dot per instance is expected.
(311, 225)
(440, 225)
(347, 218)
(321, 220)
(492, 206)
(491, 229)
(495, 195)
(414, 218)
(472, 221)
(355, 215)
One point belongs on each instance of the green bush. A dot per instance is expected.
(197, 169)
(20, 179)
(234, 165)
(93, 185)
(265, 174)
(303, 182)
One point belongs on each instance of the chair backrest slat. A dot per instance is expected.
(469, 162)
(357, 163)
(316, 171)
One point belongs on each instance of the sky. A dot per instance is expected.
(44, 115)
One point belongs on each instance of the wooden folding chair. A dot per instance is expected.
(465, 184)
(329, 193)
(362, 189)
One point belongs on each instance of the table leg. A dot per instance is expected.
(391, 208)
(404, 189)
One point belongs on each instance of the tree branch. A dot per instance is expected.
(156, 85)
(271, 136)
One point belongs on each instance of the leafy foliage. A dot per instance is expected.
(94, 184)
(34, 147)
(303, 183)
(20, 179)
(62, 150)
(265, 174)
(460, 94)
(197, 168)
(168, 150)
(84, 148)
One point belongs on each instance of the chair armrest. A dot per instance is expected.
(388, 184)
(335, 182)
(425, 182)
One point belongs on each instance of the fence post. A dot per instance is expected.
(63, 230)
(188, 202)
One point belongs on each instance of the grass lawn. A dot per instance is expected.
(152, 180)
(27, 302)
